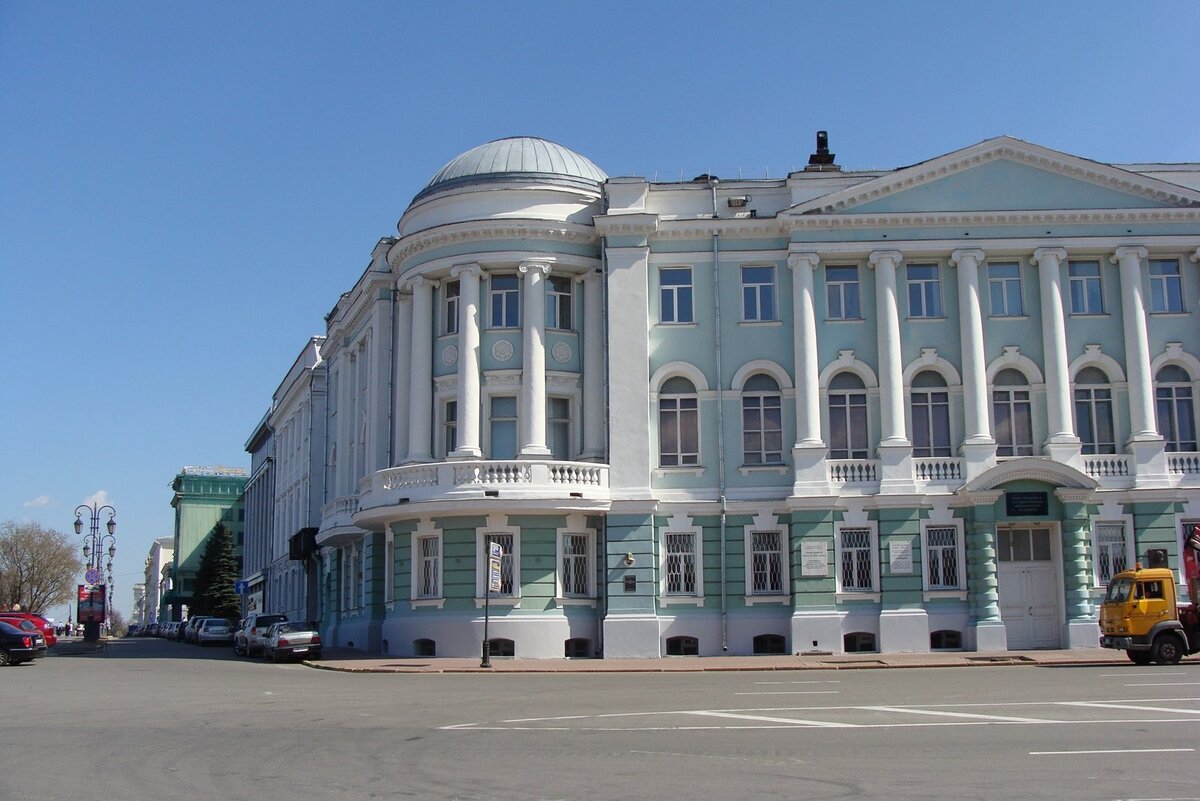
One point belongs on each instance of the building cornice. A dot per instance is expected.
(935, 219)
(480, 230)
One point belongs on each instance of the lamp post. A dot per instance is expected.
(93, 553)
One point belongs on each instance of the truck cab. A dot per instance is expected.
(1140, 615)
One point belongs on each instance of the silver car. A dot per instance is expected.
(292, 640)
(215, 631)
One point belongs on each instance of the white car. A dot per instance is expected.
(292, 640)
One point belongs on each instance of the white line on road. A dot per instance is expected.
(823, 681)
(983, 718)
(766, 719)
(1131, 705)
(791, 692)
(1156, 674)
(1117, 751)
(1167, 684)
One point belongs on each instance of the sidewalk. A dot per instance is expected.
(357, 662)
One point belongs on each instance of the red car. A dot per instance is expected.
(45, 626)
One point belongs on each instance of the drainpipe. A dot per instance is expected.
(720, 415)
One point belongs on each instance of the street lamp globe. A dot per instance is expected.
(78, 525)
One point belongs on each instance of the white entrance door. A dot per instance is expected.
(1029, 587)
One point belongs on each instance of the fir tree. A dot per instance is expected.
(215, 577)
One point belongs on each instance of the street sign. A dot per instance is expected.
(240, 587)
(92, 576)
(494, 554)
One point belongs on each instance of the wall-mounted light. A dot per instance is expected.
(629, 560)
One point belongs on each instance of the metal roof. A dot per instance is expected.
(514, 157)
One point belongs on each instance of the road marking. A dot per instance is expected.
(791, 692)
(1117, 751)
(767, 719)
(983, 718)
(1131, 705)
(1167, 684)
(835, 681)
(1156, 674)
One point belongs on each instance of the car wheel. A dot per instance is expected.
(5, 659)
(1167, 650)
(1139, 657)
(237, 649)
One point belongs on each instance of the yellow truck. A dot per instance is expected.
(1141, 617)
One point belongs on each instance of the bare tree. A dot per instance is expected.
(38, 566)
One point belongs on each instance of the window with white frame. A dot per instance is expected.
(1087, 296)
(675, 295)
(427, 566)
(944, 557)
(1012, 414)
(758, 293)
(924, 290)
(1166, 287)
(504, 296)
(558, 427)
(680, 563)
(847, 417)
(389, 569)
(762, 421)
(930, 401)
(842, 293)
(1094, 411)
(450, 307)
(450, 426)
(509, 586)
(768, 561)
(503, 427)
(856, 560)
(558, 302)
(1175, 409)
(678, 424)
(1112, 551)
(575, 565)
(1004, 289)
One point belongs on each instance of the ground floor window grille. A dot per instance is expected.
(681, 564)
(575, 571)
(857, 565)
(941, 558)
(766, 562)
(428, 571)
(507, 584)
(1111, 552)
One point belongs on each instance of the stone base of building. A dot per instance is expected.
(986, 636)
(817, 631)
(631, 637)
(903, 631)
(1083, 634)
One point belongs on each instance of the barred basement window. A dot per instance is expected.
(577, 648)
(945, 640)
(502, 647)
(683, 646)
(425, 647)
(770, 644)
(1111, 551)
(859, 642)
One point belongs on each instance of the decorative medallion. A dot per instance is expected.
(561, 352)
(502, 351)
(450, 356)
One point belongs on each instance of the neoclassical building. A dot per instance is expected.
(927, 408)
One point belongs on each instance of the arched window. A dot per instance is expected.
(678, 424)
(577, 648)
(859, 642)
(1176, 409)
(930, 415)
(424, 647)
(770, 644)
(762, 421)
(847, 417)
(501, 647)
(1012, 413)
(683, 646)
(1094, 411)
(945, 640)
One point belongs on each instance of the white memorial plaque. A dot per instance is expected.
(814, 558)
(900, 557)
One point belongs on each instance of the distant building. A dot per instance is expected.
(158, 571)
(138, 615)
(204, 496)
(258, 542)
(934, 407)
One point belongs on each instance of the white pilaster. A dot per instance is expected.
(630, 441)
(1062, 444)
(891, 372)
(593, 367)
(402, 353)
(468, 360)
(533, 363)
(1137, 346)
(420, 395)
(804, 337)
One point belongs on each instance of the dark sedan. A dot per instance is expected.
(18, 645)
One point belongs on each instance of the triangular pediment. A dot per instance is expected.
(1003, 175)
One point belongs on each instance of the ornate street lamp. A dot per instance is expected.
(93, 553)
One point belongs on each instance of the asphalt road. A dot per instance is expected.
(153, 719)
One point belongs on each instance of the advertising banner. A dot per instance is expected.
(91, 599)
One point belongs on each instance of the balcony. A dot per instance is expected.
(853, 471)
(1111, 470)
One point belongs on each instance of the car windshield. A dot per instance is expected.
(285, 628)
(1118, 591)
(216, 624)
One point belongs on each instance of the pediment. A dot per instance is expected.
(1003, 175)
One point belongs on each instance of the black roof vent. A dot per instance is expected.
(822, 160)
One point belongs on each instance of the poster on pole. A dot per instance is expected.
(494, 554)
(90, 603)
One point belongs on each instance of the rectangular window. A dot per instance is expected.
(762, 430)
(675, 295)
(428, 563)
(856, 560)
(558, 302)
(1176, 415)
(450, 424)
(842, 293)
(943, 568)
(678, 431)
(766, 563)
(558, 427)
(1004, 288)
(847, 425)
(503, 427)
(576, 570)
(1112, 553)
(504, 294)
(508, 584)
(1086, 294)
(924, 291)
(680, 568)
(1166, 287)
(758, 294)
(1014, 422)
(450, 308)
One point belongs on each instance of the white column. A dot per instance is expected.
(593, 367)
(420, 387)
(468, 360)
(974, 368)
(403, 372)
(533, 362)
(630, 448)
(891, 372)
(1137, 345)
(1054, 345)
(804, 351)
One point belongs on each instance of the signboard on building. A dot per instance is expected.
(814, 558)
(1026, 504)
(494, 554)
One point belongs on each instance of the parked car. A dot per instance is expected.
(292, 640)
(180, 630)
(19, 645)
(168, 630)
(215, 631)
(248, 640)
(45, 626)
(192, 626)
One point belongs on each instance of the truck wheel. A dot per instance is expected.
(1167, 650)
(1139, 657)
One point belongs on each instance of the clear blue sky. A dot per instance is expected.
(186, 188)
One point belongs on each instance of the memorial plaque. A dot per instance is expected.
(900, 557)
(1026, 504)
(814, 558)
